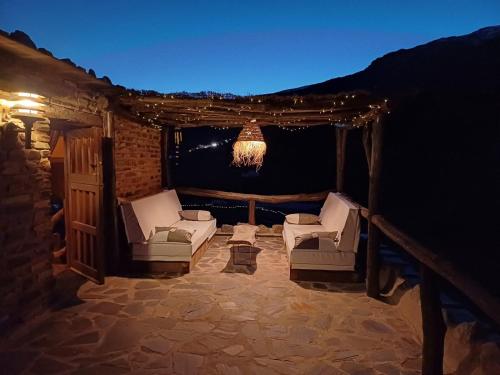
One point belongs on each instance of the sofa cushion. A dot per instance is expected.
(302, 219)
(341, 215)
(316, 241)
(291, 231)
(202, 230)
(196, 215)
(175, 251)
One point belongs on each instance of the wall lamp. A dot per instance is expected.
(28, 108)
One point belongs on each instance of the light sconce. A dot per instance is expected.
(28, 108)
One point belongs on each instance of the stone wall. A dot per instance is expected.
(137, 159)
(25, 269)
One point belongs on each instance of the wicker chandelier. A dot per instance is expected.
(250, 147)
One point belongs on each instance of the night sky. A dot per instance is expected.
(241, 47)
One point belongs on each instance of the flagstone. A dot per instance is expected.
(45, 365)
(147, 284)
(108, 308)
(146, 294)
(123, 334)
(134, 309)
(86, 338)
(187, 363)
(212, 322)
(224, 369)
(233, 349)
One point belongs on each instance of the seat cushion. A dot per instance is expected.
(176, 251)
(314, 259)
(302, 219)
(202, 231)
(291, 231)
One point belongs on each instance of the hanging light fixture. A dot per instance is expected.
(250, 147)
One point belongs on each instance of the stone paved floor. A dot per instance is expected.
(219, 319)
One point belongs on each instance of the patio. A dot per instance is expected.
(219, 319)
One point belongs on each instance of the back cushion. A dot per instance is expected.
(338, 214)
(334, 213)
(159, 210)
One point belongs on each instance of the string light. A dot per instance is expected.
(156, 106)
(212, 205)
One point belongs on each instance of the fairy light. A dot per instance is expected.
(218, 206)
(242, 108)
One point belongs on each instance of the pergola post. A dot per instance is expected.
(433, 325)
(340, 138)
(167, 145)
(373, 261)
(251, 211)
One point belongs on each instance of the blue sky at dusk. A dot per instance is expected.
(244, 47)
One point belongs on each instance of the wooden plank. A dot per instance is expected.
(372, 253)
(482, 298)
(433, 325)
(313, 197)
(84, 228)
(251, 212)
(324, 276)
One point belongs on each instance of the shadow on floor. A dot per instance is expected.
(243, 260)
(67, 284)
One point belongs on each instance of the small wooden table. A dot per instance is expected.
(243, 241)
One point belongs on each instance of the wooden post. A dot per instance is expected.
(251, 211)
(341, 138)
(367, 144)
(167, 146)
(110, 206)
(372, 253)
(433, 325)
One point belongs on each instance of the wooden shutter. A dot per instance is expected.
(84, 205)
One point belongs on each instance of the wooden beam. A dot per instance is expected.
(341, 140)
(251, 212)
(433, 325)
(372, 254)
(72, 116)
(207, 193)
(482, 298)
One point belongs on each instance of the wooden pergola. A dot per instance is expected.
(346, 111)
(353, 109)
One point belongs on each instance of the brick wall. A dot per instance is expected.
(25, 270)
(137, 159)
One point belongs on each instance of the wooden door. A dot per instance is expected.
(84, 207)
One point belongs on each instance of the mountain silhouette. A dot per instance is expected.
(468, 62)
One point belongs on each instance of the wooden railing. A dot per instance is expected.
(252, 199)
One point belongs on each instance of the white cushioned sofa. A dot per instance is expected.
(142, 216)
(339, 215)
